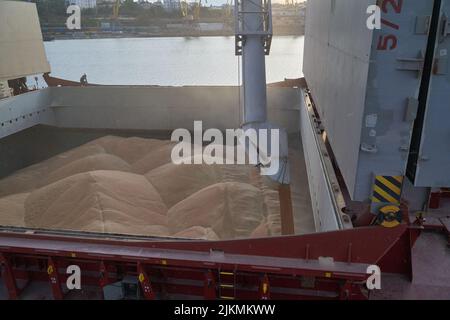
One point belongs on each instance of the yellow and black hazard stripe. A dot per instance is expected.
(389, 216)
(387, 189)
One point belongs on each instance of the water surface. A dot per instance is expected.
(166, 61)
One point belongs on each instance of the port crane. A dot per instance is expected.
(116, 8)
(227, 9)
(289, 2)
(197, 8)
(184, 6)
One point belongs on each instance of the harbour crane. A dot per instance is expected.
(227, 9)
(197, 9)
(116, 8)
(184, 8)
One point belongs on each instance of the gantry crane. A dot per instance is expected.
(116, 8)
(227, 9)
(184, 8)
(197, 8)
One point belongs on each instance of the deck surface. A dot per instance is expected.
(431, 273)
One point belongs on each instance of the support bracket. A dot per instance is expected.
(242, 29)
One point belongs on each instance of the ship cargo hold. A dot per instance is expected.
(86, 176)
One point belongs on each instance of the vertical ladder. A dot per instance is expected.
(227, 282)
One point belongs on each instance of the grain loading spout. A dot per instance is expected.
(253, 21)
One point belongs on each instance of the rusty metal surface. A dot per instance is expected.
(287, 218)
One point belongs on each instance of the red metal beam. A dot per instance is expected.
(368, 244)
(283, 261)
(9, 277)
(209, 289)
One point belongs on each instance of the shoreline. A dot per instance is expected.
(119, 35)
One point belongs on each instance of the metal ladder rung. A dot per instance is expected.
(230, 284)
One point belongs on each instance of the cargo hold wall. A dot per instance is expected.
(165, 108)
(87, 113)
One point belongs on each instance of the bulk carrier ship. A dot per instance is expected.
(365, 161)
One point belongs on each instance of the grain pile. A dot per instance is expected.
(130, 186)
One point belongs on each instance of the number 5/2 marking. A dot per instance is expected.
(389, 42)
(396, 5)
(383, 42)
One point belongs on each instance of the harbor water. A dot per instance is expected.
(172, 61)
